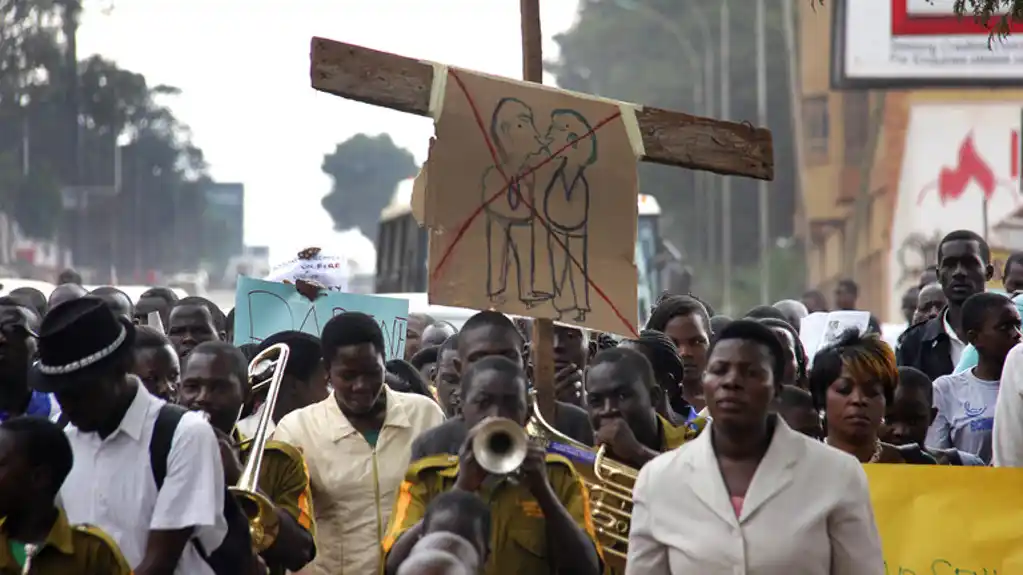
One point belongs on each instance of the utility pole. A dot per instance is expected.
(726, 182)
(73, 159)
(763, 207)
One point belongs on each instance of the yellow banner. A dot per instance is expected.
(941, 520)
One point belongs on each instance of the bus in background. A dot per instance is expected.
(402, 249)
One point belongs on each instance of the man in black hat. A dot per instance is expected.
(18, 326)
(85, 353)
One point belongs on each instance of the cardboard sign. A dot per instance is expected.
(532, 202)
(946, 520)
(264, 308)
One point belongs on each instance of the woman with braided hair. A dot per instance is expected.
(662, 354)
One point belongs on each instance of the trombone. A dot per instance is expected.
(609, 484)
(266, 370)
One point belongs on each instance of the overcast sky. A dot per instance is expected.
(243, 66)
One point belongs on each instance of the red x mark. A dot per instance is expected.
(508, 182)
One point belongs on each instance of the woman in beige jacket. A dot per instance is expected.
(750, 495)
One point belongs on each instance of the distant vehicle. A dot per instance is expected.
(417, 303)
(7, 285)
(402, 249)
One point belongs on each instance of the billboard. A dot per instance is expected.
(919, 43)
(959, 171)
(223, 230)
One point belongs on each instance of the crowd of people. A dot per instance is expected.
(120, 442)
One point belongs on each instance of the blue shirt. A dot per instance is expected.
(41, 405)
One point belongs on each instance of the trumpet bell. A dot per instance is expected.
(500, 445)
(263, 521)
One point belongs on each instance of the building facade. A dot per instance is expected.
(896, 149)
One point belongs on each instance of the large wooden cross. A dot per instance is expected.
(670, 138)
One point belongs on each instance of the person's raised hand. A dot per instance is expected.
(615, 433)
(568, 384)
(470, 475)
(534, 469)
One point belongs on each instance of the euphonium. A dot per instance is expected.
(263, 522)
(500, 445)
(609, 483)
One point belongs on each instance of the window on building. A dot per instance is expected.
(856, 123)
(817, 128)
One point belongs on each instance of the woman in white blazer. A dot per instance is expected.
(750, 495)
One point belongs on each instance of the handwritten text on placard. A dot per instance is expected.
(264, 308)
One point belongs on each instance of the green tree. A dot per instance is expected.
(651, 52)
(71, 122)
(365, 170)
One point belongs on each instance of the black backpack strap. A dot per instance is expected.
(62, 420)
(163, 435)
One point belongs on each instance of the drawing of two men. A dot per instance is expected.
(544, 244)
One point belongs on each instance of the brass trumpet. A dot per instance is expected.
(500, 445)
(609, 483)
(265, 370)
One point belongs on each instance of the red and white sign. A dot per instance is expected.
(960, 170)
(896, 42)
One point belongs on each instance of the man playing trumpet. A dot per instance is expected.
(216, 381)
(541, 518)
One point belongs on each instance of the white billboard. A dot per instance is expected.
(960, 170)
(890, 43)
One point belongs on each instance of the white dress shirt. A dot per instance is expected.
(1007, 435)
(955, 345)
(807, 512)
(355, 484)
(111, 484)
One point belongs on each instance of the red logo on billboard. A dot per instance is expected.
(1016, 155)
(952, 181)
(937, 18)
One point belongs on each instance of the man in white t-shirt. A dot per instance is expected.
(85, 352)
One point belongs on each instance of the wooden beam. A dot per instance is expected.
(670, 138)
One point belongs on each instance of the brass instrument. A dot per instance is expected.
(500, 445)
(609, 483)
(265, 370)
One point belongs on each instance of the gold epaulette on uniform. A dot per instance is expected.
(289, 449)
(436, 463)
(98, 533)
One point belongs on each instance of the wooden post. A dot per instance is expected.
(542, 346)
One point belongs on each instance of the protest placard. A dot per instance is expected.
(263, 308)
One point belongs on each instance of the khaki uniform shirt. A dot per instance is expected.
(78, 549)
(284, 479)
(518, 541)
(354, 484)
(673, 437)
